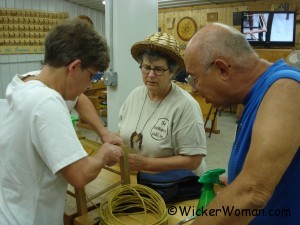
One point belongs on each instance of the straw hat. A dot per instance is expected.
(161, 42)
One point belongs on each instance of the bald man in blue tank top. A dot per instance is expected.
(264, 167)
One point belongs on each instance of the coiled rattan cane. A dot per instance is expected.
(127, 198)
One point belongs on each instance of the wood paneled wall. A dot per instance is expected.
(273, 55)
(169, 18)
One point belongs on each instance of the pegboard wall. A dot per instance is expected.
(23, 31)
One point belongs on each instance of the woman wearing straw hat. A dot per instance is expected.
(161, 122)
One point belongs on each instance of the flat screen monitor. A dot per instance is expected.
(269, 29)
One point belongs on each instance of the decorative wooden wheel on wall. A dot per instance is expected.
(186, 28)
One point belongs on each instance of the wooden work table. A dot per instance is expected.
(92, 217)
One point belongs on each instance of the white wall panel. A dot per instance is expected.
(13, 64)
(132, 21)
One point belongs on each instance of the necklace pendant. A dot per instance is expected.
(136, 138)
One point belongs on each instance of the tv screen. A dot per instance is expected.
(269, 29)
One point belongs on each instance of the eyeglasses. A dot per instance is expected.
(92, 76)
(192, 80)
(157, 70)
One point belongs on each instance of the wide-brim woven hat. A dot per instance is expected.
(161, 42)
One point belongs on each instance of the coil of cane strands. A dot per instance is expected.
(133, 199)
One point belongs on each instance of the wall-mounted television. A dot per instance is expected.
(269, 29)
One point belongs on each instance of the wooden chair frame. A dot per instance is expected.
(79, 193)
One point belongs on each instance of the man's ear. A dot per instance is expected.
(223, 67)
(73, 66)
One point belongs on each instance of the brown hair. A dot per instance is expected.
(73, 40)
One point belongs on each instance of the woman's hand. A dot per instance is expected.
(137, 162)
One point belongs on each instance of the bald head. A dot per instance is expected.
(220, 41)
(209, 32)
(220, 60)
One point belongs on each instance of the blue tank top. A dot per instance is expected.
(284, 206)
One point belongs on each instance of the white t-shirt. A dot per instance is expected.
(17, 81)
(37, 140)
(175, 128)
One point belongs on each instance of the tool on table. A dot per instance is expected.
(187, 219)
